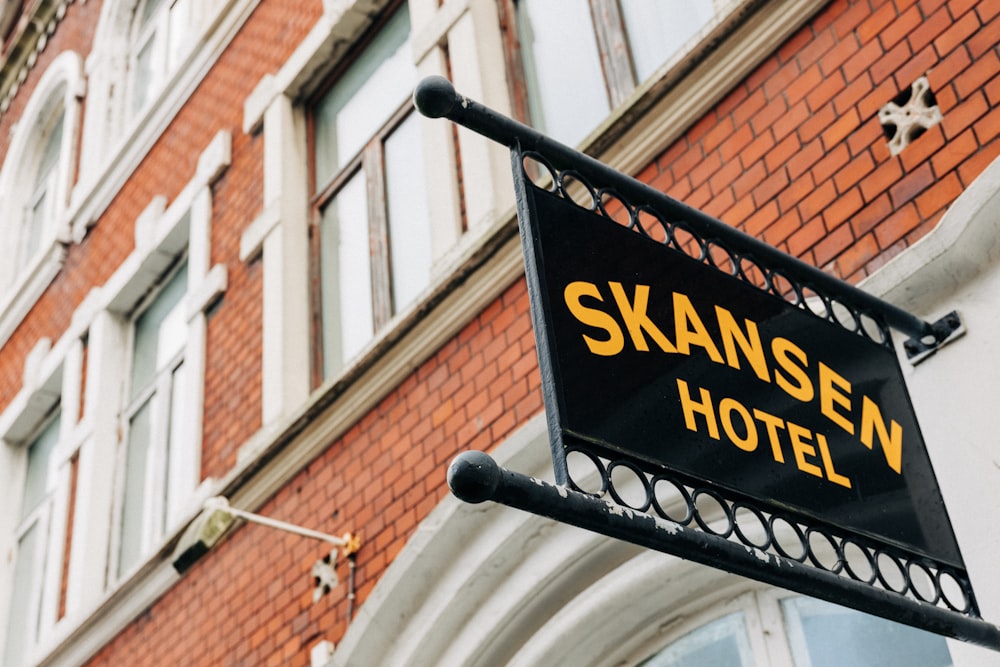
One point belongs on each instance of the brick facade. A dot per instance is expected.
(794, 154)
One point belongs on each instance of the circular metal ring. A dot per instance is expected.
(881, 574)
(570, 175)
(726, 509)
(539, 159)
(797, 530)
(598, 465)
(682, 491)
(866, 553)
(640, 475)
(837, 552)
(757, 514)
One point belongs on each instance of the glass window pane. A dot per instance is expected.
(180, 454)
(345, 273)
(39, 458)
(143, 77)
(50, 154)
(409, 223)
(148, 10)
(720, 643)
(657, 30)
(364, 98)
(566, 90)
(160, 332)
(828, 635)
(22, 624)
(136, 499)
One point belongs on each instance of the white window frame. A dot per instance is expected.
(165, 468)
(164, 235)
(169, 30)
(279, 236)
(51, 381)
(23, 280)
(98, 607)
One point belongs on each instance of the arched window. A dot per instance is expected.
(46, 196)
(766, 628)
(35, 187)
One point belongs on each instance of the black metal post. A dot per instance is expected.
(475, 477)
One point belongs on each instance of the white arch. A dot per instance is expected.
(59, 90)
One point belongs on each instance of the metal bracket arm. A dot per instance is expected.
(436, 97)
(475, 477)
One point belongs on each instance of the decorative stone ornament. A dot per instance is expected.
(909, 115)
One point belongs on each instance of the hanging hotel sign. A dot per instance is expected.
(678, 353)
(659, 357)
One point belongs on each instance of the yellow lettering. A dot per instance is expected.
(691, 408)
(829, 394)
(801, 449)
(592, 317)
(772, 424)
(798, 384)
(891, 440)
(636, 320)
(690, 330)
(831, 474)
(727, 407)
(749, 343)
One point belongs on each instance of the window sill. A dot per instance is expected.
(26, 291)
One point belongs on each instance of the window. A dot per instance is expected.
(29, 594)
(158, 33)
(371, 236)
(157, 459)
(39, 211)
(582, 58)
(812, 632)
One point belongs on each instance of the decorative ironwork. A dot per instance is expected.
(919, 594)
(678, 235)
(435, 97)
(631, 486)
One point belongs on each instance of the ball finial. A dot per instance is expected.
(473, 476)
(434, 96)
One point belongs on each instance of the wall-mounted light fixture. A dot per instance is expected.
(217, 516)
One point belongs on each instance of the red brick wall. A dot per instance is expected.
(250, 601)
(796, 155)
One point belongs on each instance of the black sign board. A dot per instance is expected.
(659, 357)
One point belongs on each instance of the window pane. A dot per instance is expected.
(50, 155)
(179, 482)
(827, 635)
(721, 643)
(22, 624)
(148, 10)
(657, 30)
(39, 458)
(160, 332)
(566, 90)
(143, 77)
(136, 499)
(364, 98)
(409, 223)
(345, 272)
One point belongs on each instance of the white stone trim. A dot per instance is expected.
(19, 293)
(107, 162)
(96, 612)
